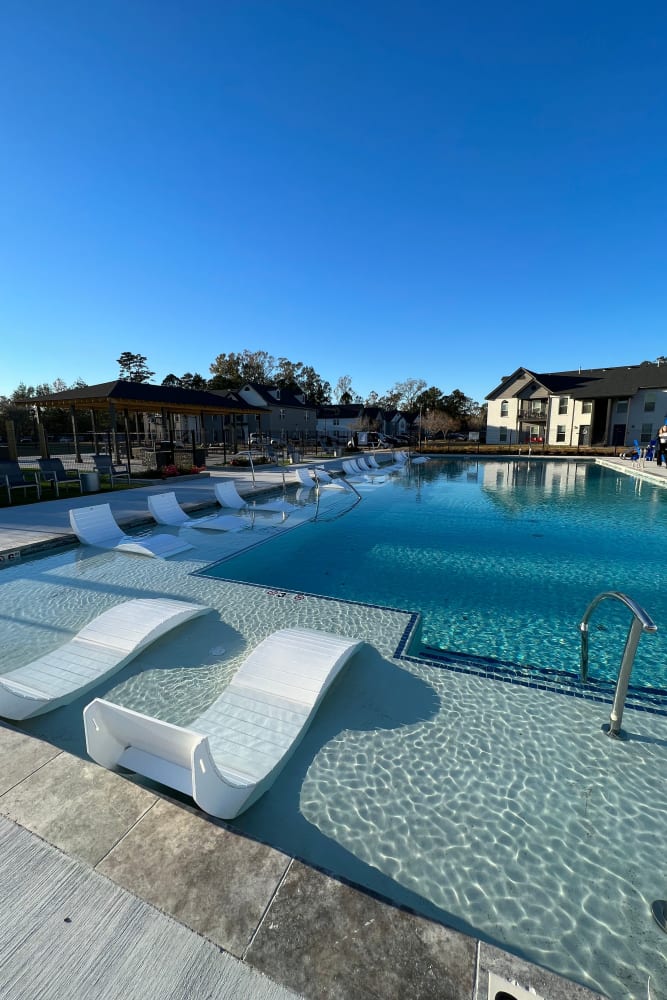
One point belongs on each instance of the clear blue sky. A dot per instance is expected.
(378, 189)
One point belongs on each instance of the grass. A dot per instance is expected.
(24, 498)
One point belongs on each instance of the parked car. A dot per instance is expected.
(536, 439)
(455, 436)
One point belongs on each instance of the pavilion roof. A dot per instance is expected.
(142, 397)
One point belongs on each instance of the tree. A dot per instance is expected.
(171, 380)
(298, 377)
(459, 406)
(343, 392)
(196, 381)
(436, 422)
(232, 371)
(430, 399)
(408, 392)
(133, 367)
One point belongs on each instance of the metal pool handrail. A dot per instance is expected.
(641, 622)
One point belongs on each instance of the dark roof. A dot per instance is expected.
(287, 397)
(346, 411)
(595, 383)
(144, 395)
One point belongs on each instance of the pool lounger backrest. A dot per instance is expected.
(97, 651)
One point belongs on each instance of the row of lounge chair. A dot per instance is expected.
(96, 525)
(227, 757)
(53, 473)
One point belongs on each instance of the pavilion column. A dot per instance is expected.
(41, 434)
(128, 443)
(113, 443)
(10, 431)
(202, 437)
(77, 446)
(93, 427)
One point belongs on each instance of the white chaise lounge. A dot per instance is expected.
(310, 478)
(100, 649)
(227, 495)
(166, 509)
(230, 755)
(356, 475)
(97, 526)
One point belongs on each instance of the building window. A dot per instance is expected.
(649, 402)
(560, 434)
(562, 405)
(336, 421)
(646, 434)
(587, 406)
(504, 408)
(502, 434)
(622, 406)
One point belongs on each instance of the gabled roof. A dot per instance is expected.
(340, 411)
(287, 397)
(592, 383)
(141, 396)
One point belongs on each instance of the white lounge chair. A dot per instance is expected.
(310, 478)
(304, 477)
(230, 755)
(322, 477)
(100, 649)
(227, 495)
(97, 526)
(166, 509)
(355, 475)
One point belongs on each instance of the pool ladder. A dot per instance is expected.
(641, 622)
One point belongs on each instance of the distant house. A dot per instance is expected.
(338, 423)
(287, 416)
(595, 406)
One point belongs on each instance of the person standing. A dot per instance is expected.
(661, 450)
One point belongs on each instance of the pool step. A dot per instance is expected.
(527, 675)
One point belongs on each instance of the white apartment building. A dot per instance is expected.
(601, 406)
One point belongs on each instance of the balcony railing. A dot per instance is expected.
(527, 414)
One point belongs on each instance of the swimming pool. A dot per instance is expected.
(495, 808)
(501, 558)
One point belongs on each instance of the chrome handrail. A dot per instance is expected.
(641, 622)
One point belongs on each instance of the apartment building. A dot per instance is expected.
(595, 406)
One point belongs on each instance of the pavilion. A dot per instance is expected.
(216, 414)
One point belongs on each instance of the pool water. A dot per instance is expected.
(501, 558)
(495, 808)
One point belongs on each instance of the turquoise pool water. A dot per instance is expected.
(501, 558)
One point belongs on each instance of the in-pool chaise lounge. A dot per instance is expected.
(230, 755)
(97, 526)
(100, 649)
(227, 495)
(166, 509)
(310, 478)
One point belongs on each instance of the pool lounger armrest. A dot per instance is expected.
(118, 737)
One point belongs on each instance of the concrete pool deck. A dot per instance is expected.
(116, 889)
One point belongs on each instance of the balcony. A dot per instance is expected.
(536, 414)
